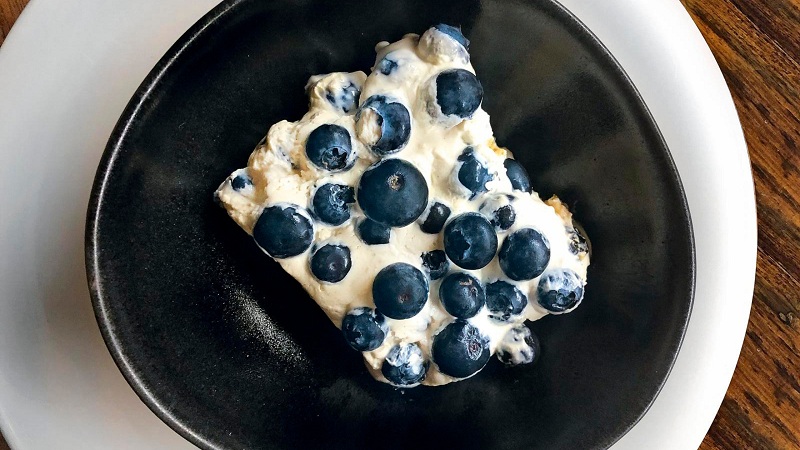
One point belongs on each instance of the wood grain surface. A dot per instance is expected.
(757, 45)
(9, 11)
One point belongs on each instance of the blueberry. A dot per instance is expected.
(240, 182)
(500, 212)
(387, 65)
(460, 350)
(433, 221)
(469, 241)
(458, 93)
(524, 254)
(400, 291)
(577, 241)
(392, 192)
(462, 295)
(435, 262)
(373, 233)
(517, 175)
(328, 147)
(560, 290)
(331, 203)
(519, 346)
(453, 32)
(504, 217)
(331, 263)
(472, 173)
(284, 230)
(346, 99)
(388, 115)
(364, 329)
(404, 365)
(504, 301)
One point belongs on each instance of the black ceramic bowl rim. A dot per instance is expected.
(117, 139)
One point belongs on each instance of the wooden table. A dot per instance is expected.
(757, 45)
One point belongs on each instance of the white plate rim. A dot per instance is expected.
(693, 81)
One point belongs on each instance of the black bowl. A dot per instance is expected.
(228, 349)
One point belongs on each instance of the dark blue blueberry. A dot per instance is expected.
(393, 192)
(404, 365)
(400, 291)
(331, 263)
(500, 212)
(373, 233)
(460, 350)
(462, 295)
(346, 99)
(504, 217)
(436, 263)
(524, 254)
(394, 121)
(455, 33)
(331, 203)
(504, 301)
(559, 290)
(387, 65)
(283, 231)
(458, 93)
(519, 346)
(364, 329)
(328, 147)
(518, 175)
(435, 219)
(469, 241)
(240, 182)
(472, 174)
(577, 241)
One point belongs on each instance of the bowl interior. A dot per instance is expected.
(232, 353)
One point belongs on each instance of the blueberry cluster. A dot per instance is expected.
(393, 193)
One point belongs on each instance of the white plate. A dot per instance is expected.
(67, 70)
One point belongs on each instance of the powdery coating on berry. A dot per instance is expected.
(560, 290)
(500, 212)
(404, 366)
(519, 346)
(472, 173)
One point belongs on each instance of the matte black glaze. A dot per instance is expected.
(231, 352)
